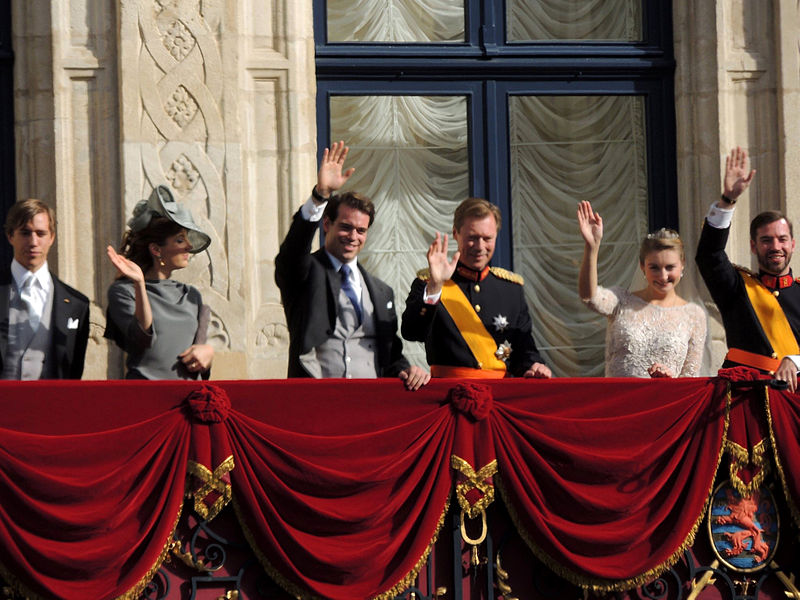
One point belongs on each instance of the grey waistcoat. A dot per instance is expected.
(351, 351)
(28, 354)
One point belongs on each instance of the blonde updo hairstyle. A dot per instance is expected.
(663, 239)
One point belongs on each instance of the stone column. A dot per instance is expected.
(214, 99)
(67, 143)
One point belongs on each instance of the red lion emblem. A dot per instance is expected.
(743, 512)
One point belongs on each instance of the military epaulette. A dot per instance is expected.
(507, 275)
(745, 270)
(424, 274)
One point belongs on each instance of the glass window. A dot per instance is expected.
(540, 104)
(565, 149)
(407, 21)
(574, 20)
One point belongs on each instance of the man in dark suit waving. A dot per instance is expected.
(44, 323)
(342, 321)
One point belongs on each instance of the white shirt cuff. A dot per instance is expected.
(312, 211)
(719, 218)
(433, 298)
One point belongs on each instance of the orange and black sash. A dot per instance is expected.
(480, 341)
(773, 322)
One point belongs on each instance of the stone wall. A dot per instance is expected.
(213, 98)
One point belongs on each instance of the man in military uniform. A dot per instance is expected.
(472, 317)
(760, 311)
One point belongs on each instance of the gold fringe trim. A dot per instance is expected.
(132, 594)
(778, 465)
(474, 481)
(302, 594)
(212, 482)
(598, 585)
(406, 581)
(137, 590)
(740, 458)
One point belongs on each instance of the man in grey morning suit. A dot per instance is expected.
(44, 323)
(342, 321)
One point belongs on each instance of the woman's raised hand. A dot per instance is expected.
(590, 224)
(127, 268)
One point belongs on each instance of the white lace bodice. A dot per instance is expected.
(640, 334)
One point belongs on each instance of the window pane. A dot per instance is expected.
(410, 156)
(565, 149)
(574, 20)
(395, 20)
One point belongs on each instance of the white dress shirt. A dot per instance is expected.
(33, 287)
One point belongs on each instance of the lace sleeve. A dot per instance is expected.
(697, 339)
(604, 301)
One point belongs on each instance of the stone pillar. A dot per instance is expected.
(67, 143)
(736, 83)
(214, 99)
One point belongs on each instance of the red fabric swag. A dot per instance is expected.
(340, 486)
(607, 479)
(87, 515)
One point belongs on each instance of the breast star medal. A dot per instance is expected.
(500, 322)
(503, 351)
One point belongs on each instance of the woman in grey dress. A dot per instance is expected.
(159, 322)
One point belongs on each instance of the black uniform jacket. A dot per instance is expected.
(497, 299)
(310, 288)
(742, 328)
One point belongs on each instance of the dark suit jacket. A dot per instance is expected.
(69, 345)
(309, 290)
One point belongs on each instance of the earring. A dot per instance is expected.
(161, 262)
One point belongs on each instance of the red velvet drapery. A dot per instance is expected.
(342, 486)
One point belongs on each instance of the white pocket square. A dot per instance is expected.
(389, 305)
(72, 323)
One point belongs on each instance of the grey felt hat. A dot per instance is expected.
(162, 204)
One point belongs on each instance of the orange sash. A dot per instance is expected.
(480, 341)
(770, 315)
(441, 371)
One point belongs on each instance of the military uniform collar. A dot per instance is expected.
(774, 282)
(472, 274)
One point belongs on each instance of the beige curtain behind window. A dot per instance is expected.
(574, 20)
(565, 149)
(395, 20)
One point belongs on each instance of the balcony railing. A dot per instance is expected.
(572, 488)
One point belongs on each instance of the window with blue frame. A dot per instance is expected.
(532, 104)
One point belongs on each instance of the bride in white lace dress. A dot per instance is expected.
(651, 332)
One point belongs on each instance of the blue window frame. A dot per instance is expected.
(488, 70)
